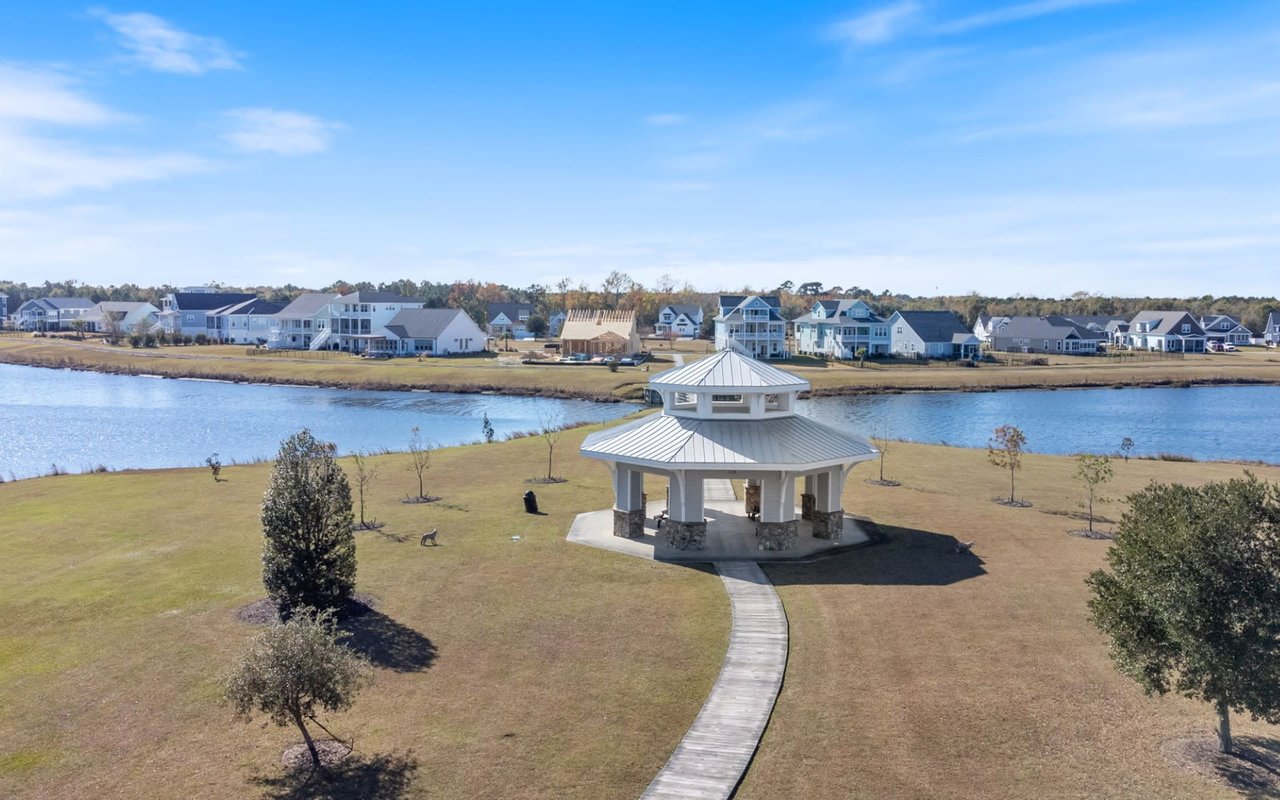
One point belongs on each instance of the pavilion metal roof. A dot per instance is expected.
(728, 369)
(682, 442)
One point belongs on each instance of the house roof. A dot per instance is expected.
(1041, 328)
(1273, 319)
(1092, 321)
(308, 304)
(836, 310)
(934, 326)
(735, 300)
(208, 301)
(782, 442)
(379, 297)
(61, 303)
(585, 324)
(728, 369)
(735, 312)
(1214, 321)
(510, 310)
(255, 306)
(422, 323)
(690, 310)
(1163, 322)
(122, 308)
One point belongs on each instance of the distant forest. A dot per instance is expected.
(620, 291)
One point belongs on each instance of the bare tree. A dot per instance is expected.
(1004, 450)
(881, 440)
(420, 458)
(365, 473)
(551, 433)
(112, 324)
(615, 284)
(1093, 471)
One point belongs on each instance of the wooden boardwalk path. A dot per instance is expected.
(714, 754)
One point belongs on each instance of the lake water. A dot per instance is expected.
(78, 420)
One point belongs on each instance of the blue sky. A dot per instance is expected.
(1038, 147)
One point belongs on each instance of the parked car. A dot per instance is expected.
(1228, 348)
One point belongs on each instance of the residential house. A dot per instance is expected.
(509, 318)
(556, 323)
(431, 331)
(985, 324)
(1271, 335)
(1045, 335)
(118, 318)
(1167, 331)
(840, 328)
(244, 323)
(1225, 329)
(187, 312)
(52, 313)
(1094, 322)
(1117, 332)
(753, 324)
(600, 332)
(679, 320)
(931, 334)
(358, 319)
(4, 310)
(298, 324)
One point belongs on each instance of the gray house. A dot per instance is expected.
(189, 313)
(509, 318)
(1167, 331)
(931, 334)
(52, 313)
(1272, 334)
(1225, 329)
(1045, 335)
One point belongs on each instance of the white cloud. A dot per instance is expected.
(36, 164)
(288, 133)
(664, 120)
(795, 122)
(157, 44)
(1018, 13)
(875, 27)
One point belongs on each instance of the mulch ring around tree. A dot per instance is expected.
(422, 499)
(1085, 533)
(1254, 767)
(546, 480)
(296, 756)
(1004, 501)
(877, 482)
(265, 612)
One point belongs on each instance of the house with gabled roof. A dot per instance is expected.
(52, 313)
(431, 331)
(1051, 334)
(1225, 329)
(1167, 331)
(931, 334)
(985, 324)
(840, 329)
(753, 324)
(679, 319)
(358, 320)
(1271, 334)
(248, 322)
(299, 324)
(188, 312)
(596, 332)
(509, 318)
(119, 318)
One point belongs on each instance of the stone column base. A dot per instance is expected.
(628, 524)
(752, 499)
(828, 524)
(685, 535)
(807, 504)
(777, 535)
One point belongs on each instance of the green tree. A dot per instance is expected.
(78, 325)
(1004, 450)
(309, 551)
(1126, 447)
(486, 427)
(1192, 601)
(294, 669)
(1093, 471)
(536, 325)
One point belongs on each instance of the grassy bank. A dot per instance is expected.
(543, 669)
(507, 669)
(505, 374)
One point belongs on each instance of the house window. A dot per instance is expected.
(1186, 327)
(899, 330)
(726, 398)
(191, 318)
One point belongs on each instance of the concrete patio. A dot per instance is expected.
(730, 537)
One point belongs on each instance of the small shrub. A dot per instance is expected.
(215, 467)
(202, 339)
(135, 340)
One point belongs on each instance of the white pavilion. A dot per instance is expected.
(730, 416)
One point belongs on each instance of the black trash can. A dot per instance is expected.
(530, 502)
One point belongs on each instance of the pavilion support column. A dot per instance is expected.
(628, 502)
(686, 528)
(751, 495)
(828, 512)
(777, 528)
(807, 498)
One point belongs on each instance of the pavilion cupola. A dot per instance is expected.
(728, 385)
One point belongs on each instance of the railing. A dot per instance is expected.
(283, 353)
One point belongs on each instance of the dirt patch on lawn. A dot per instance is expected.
(296, 756)
(1253, 769)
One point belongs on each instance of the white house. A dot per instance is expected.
(244, 323)
(1271, 335)
(840, 328)
(1168, 331)
(680, 320)
(1226, 329)
(753, 324)
(121, 318)
(187, 312)
(509, 318)
(298, 324)
(52, 313)
(931, 334)
(431, 331)
(985, 324)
